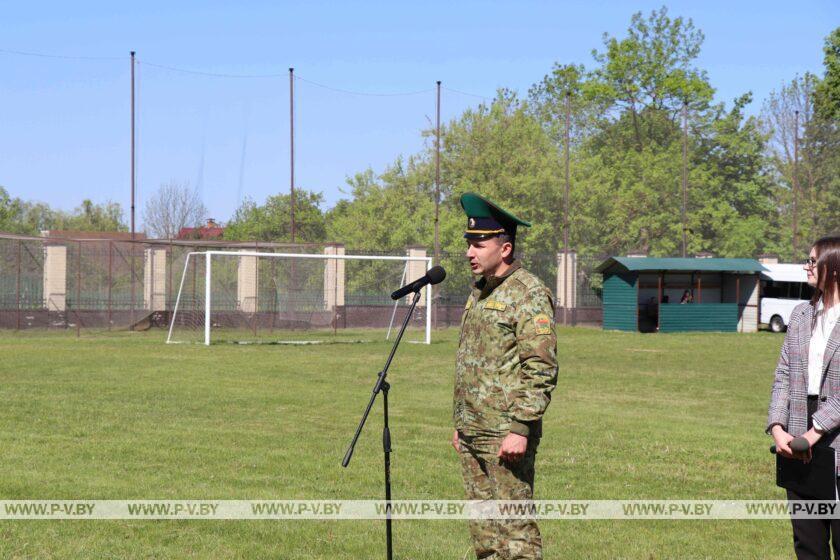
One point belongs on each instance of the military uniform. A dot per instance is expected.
(505, 372)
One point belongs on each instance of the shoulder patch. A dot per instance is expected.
(469, 303)
(542, 324)
(497, 305)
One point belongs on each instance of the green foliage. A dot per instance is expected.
(626, 165)
(272, 220)
(88, 216)
(30, 218)
(626, 162)
(11, 210)
(648, 74)
(828, 91)
(803, 156)
(502, 152)
(388, 212)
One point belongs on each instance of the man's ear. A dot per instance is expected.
(507, 250)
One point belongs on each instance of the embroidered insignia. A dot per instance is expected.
(469, 303)
(472, 222)
(497, 305)
(542, 324)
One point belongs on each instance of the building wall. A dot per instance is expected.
(716, 317)
(416, 269)
(333, 278)
(154, 280)
(620, 302)
(55, 277)
(569, 299)
(247, 286)
(748, 300)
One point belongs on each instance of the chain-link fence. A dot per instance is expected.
(107, 284)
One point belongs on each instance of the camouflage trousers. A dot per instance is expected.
(487, 477)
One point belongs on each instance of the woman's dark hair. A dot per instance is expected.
(828, 269)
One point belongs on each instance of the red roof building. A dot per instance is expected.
(211, 230)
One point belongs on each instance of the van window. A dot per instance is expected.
(788, 290)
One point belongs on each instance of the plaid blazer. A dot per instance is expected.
(789, 397)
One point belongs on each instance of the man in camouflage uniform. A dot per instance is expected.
(505, 372)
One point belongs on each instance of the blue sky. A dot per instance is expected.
(64, 122)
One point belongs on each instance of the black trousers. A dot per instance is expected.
(811, 536)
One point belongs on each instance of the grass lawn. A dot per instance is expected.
(124, 416)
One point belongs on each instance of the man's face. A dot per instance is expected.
(486, 255)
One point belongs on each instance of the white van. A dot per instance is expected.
(783, 287)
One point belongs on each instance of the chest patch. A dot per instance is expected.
(497, 305)
(542, 324)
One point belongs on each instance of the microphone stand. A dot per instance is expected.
(384, 386)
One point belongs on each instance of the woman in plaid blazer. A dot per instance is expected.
(805, 400)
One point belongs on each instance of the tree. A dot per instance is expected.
(828, 90)
(648, 75)
(107, 216)
(825, 136)
(547, 102)
(174, 206)
(272, 220)
(626, 161)
(626, 147)
(30, 218)
(733, 206)
(388, 212)
(11, 213)
(787, 118)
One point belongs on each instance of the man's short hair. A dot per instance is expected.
(507, 238)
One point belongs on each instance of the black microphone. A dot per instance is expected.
(797, 445)
(435, 275)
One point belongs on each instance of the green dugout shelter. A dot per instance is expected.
(644, 294)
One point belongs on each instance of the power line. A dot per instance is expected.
(468, 94)
(209, 74)
(369, 94)
(238, 76)
(61, 56)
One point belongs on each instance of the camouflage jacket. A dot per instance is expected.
(507, 357)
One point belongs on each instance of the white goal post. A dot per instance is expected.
(196, 311)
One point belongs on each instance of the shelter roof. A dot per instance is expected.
(643, 264)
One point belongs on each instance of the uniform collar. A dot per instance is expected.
(487, 285)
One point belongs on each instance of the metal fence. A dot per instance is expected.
(104, 284)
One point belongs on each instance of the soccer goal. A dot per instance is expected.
(296, 298)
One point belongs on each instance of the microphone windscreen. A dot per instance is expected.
(436, 274)
(799, 445)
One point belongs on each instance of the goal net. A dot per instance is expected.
(296, 298)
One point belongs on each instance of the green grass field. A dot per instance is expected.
(124, 416)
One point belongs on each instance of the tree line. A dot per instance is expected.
(748, 193)
(755, 184)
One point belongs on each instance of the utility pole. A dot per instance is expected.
(133, 177)
(436, 289)
(795, 183)
(685, 180)
(566, 297)
(437, 178)
(292, 146)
